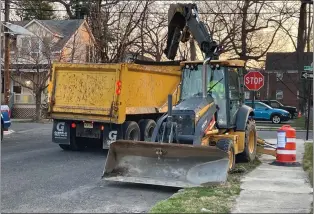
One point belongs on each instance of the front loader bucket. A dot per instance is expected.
(173, 165)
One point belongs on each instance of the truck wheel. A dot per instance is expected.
(250, 143)
(227, 146)
(147, 128)
(131, 131)
(65, 147)
(74, 144)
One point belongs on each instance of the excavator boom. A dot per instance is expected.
(183, 21)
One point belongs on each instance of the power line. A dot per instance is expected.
(157, 13)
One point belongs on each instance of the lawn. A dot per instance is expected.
(300, 123)
(308, 163)
(308, 160)
(215, 199)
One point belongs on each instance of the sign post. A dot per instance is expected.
(254, 81)
(307, 74)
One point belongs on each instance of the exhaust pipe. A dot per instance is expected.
(204, 76)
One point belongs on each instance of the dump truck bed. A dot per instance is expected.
(91, 92)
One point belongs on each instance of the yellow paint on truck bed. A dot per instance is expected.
(88, 91)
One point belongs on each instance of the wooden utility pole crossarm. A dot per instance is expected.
(6, 54)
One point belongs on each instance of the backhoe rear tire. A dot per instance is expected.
(147, 127)
(131, 131)
(227, 146)
(250, 143)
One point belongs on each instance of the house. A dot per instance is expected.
(282, 78)
(31, 57)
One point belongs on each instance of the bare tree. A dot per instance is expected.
(115, 27)
(247, 29)
(32, 69)
(154, 34)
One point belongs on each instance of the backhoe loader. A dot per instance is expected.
(198, 140)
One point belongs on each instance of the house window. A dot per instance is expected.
(34, 45)
(279, 95)
(46, 43)
(17, 88)
(247, 95)
(279, 76)
(258, 94)
(298, 94)
(25, 45)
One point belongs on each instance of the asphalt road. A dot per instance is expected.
(37, 176)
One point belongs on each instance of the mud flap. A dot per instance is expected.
(173, 165)
(61, 132)
(111, 133)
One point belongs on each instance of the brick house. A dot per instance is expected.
(53, 40)
(282, 78)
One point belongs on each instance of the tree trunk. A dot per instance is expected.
(301, 41)
(38, 103)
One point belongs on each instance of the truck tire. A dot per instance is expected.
(250, 143)
(227, 146)
(131, 131)
(147, 128)
(74, 144)
(65, 147)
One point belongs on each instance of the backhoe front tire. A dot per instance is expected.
(227, 146)
(250, 143)
(131, 131)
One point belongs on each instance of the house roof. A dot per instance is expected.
(64, 28)
(283, 61)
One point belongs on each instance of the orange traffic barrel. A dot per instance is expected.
(286, 145)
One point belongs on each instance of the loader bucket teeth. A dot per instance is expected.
(172, 165)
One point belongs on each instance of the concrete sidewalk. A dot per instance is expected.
(275, 189)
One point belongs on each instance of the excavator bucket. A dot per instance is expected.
(165, 164)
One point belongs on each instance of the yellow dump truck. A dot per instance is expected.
(107, 102)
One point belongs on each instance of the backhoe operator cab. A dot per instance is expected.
(210, 94)
(223, 86)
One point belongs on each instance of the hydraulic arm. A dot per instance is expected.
(183, 21)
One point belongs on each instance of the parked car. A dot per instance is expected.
(264, 112)
(5, 119)
(276, 104)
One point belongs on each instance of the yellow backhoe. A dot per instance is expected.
(198, 140)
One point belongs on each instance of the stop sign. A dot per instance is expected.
(254, 80)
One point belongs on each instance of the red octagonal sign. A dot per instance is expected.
(254, 80)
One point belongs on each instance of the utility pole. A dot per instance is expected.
(6, 53)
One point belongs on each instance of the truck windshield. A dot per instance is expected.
(192, 82)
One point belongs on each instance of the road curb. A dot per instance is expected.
(29, 121)
(8, 132)
(275, 129)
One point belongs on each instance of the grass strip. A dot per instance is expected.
(301, 123)
(213, 199)
(308, 161)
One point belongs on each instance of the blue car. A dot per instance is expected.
(264, 112)
(5, 119)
